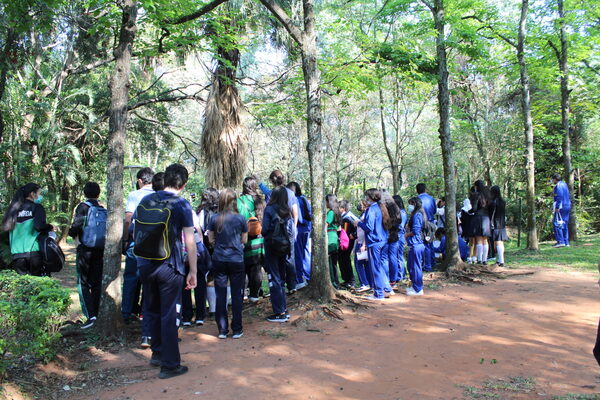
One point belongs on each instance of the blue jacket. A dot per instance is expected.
(373, 226)
(304, 211)
(402, 226)
(562, 199)
(429, 206)
(463, 248)
(417, 227)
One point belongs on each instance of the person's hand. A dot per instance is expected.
(355, 223)
(556, 210)
(190, 282)
(363, 248)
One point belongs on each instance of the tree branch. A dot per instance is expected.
(88, 67)
(170, 99)
(197, 14)
(284, 19)
(556, 51)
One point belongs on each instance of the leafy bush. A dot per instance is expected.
(31, 311)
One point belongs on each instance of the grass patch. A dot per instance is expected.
(274, 333)
(573, 396)
(497, 388)
(582, 255)
(512, 383)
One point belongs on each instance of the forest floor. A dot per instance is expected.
(524, 337)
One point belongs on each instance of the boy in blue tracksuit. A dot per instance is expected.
(463, 248)
(562, 211)
(402, 244)
(416, 248)
(430, 209)
(376, 238)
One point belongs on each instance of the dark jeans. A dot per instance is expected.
(276, 267)
(162, 288)
(31, 265)
(333, 262)
(345, 261)
(253, 267)
(597, 345)
(131, 282)
(234, 272)
(89, 279)
(187, 309)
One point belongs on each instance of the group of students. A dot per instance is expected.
(217, 252)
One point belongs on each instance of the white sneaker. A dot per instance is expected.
(301, 285)
(375, 298)
(253, 299)
(557, 245)
(363, 289)
(187, 323)
(222, 336)
(411, 292)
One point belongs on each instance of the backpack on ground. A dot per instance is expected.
(428, 231)
(153, 232)
(278, 241)
(94, 229)
(53, 258)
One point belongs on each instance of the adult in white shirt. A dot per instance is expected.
(131, 281)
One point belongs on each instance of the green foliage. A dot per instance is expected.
(31, 311)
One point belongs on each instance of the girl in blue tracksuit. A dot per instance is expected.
(401, 238)
(376, 237)
(416, 248)
(389, 256)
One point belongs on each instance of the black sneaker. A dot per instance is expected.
(89, 323)
(155, 360)
(166, 373)
(237, 335)
(145, 342)
(278, 318)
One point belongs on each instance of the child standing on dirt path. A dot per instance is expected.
(597, 346)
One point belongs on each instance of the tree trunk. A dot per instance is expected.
(388, 151)
(223, 140)
(320, 286)
(452, 253)
(4, 67)
(109, 320)
(532, 238)
(564, 107)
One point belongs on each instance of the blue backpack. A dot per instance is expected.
(94, 229)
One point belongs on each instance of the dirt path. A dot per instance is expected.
(541, 326)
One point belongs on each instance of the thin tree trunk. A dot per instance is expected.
(388, 151)
(108, 318)
(563, 62)
(4, 67)
(320, 283)
(532, 238)
(452, 252)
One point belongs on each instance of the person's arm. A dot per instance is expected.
(264, 189)
(266, 222)
(211, 237)
(76, 228)
(39, 220)
(368, 225)
(295, 213)
(557, 199)
(190, 245)
(244, 225)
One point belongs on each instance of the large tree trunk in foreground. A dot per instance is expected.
(109, 315)
(532, 238)
(452, 253)
(564, 108)
(320, 282)
(223, 141)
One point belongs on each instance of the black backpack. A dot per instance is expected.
(305, 213)
(53, 258)
(154, 234)
(278, 242)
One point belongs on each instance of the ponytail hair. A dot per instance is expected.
(332, 203)
(375, 196)
(277, 178)
(416, 201)
(250, 187)
(10, 216)
(227, 205)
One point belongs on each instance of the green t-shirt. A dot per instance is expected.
(333, 241)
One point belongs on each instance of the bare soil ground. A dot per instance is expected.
(526, 337)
